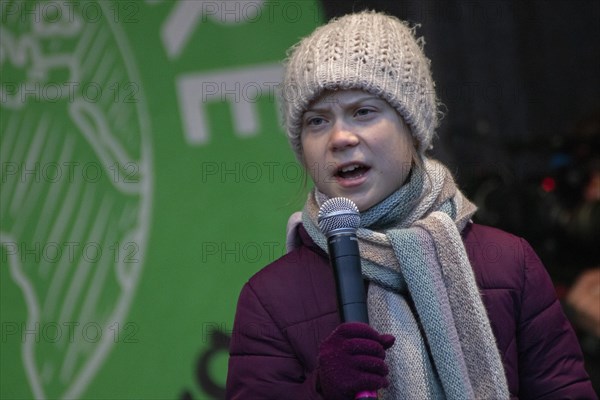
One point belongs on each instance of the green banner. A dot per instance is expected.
(144, 178)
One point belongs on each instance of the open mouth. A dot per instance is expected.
(351, 171)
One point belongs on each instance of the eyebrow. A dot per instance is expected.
(350, 104)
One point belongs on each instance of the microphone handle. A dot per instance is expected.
(345, 260)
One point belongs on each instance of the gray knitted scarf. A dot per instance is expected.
(423, 291)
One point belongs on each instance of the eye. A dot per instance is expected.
(314, 121)
(364, 112)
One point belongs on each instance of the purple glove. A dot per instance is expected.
(350, 360)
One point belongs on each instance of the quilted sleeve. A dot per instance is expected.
(262, 364)
(550, 359)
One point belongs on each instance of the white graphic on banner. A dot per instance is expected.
(76, 187)
(240, 88)
(186, 15)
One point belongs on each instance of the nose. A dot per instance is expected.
(342, 137)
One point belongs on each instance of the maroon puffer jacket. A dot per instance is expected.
(289, 307)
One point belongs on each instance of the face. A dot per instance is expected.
(357, 146)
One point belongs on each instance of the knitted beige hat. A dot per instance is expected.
(370, 51)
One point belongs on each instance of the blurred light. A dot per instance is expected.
(548, 184)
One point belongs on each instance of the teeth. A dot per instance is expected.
(350, 168)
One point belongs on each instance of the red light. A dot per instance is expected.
(548, 184)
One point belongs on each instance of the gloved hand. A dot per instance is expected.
(351, 360)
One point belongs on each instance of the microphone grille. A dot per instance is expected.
(338, 213)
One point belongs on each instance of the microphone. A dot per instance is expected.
(338, 220)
